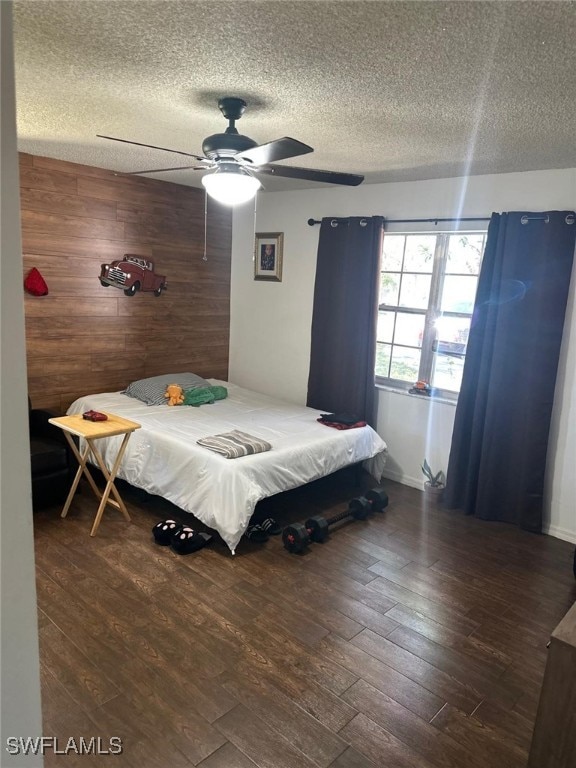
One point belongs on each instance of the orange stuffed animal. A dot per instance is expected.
(174, 394)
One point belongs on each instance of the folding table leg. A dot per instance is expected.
(82, 458)
(110, 487)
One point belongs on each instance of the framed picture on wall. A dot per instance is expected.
(268, 256)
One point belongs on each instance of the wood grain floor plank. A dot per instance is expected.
(154, 755)
(339, 659)
(249, 654)
(424, 554)
(478, 738)
(377, 551)
(302, 660)
(228, 756)
(380, 746)
(67, 732)
(325, 563)
(431, 585)
(352, 759)
(401, 688)
(440, 750)
(507, 581)
(75, 671)
(435, 609)
(301, 601)
(264, 747)
(474, 672)
(373, 598)
(284, 717)
(358, 608)
(448, 632)
(511, 726)
(445, 686)
(484, 654)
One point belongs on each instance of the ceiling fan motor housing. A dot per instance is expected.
(231, 142)
(226, 144)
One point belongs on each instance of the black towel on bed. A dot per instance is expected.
(340, 418)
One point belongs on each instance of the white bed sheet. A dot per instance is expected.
(163, 458)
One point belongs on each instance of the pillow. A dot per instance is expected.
(151, 391)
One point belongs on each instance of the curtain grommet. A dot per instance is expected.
(333, 223)
(570, 219)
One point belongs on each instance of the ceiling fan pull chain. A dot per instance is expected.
(205, 257)
(254, 228)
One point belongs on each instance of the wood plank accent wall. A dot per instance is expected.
(82, 337)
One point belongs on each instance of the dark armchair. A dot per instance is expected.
(52, 462)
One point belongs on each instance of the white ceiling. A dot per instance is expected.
(392, 90)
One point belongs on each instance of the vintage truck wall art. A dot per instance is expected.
(132, 273)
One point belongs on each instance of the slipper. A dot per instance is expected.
(271, 526)
(256, 533)
(164, 531)
(187, 541)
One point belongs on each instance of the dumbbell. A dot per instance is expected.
(298, 536)
(375, 500)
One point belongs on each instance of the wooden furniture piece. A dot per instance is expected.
(91, 431)
(554, 740)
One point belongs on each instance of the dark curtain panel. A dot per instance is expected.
(345, 314)
(498, 453)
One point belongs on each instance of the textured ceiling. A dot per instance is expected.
(393, 90)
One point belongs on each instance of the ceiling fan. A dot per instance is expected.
(235, 159)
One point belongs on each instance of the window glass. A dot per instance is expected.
(452, 334)
(464, 254)
(447, 372)
(409, 329)
(405, 362)
(389, 289)
(392, 252)
(385, 329)
(458, 293)
(427, 290)
(383, 360)
(419, 253)
(415, 291)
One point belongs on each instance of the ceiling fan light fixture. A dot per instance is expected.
(230, 184)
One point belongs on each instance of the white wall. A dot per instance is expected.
(19, 671)
(270, 322)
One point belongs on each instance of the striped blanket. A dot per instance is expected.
(234, 444)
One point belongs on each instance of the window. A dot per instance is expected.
(427, 289)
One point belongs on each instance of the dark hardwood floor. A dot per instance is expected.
(415, 639)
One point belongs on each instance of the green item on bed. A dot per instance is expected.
(203, 395)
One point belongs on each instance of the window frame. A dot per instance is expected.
(433, 312)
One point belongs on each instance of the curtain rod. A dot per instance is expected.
(312, 222)
(570, 219)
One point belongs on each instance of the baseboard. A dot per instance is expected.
(398, 477)
(560, 533)
(551, 530)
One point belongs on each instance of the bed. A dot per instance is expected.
(163, 458)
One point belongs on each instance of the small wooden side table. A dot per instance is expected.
(92, 431)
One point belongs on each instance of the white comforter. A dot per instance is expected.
(163, 458)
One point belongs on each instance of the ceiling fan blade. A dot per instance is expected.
(162, 170)
(281, 149)
(151, 146)
(313, 174)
